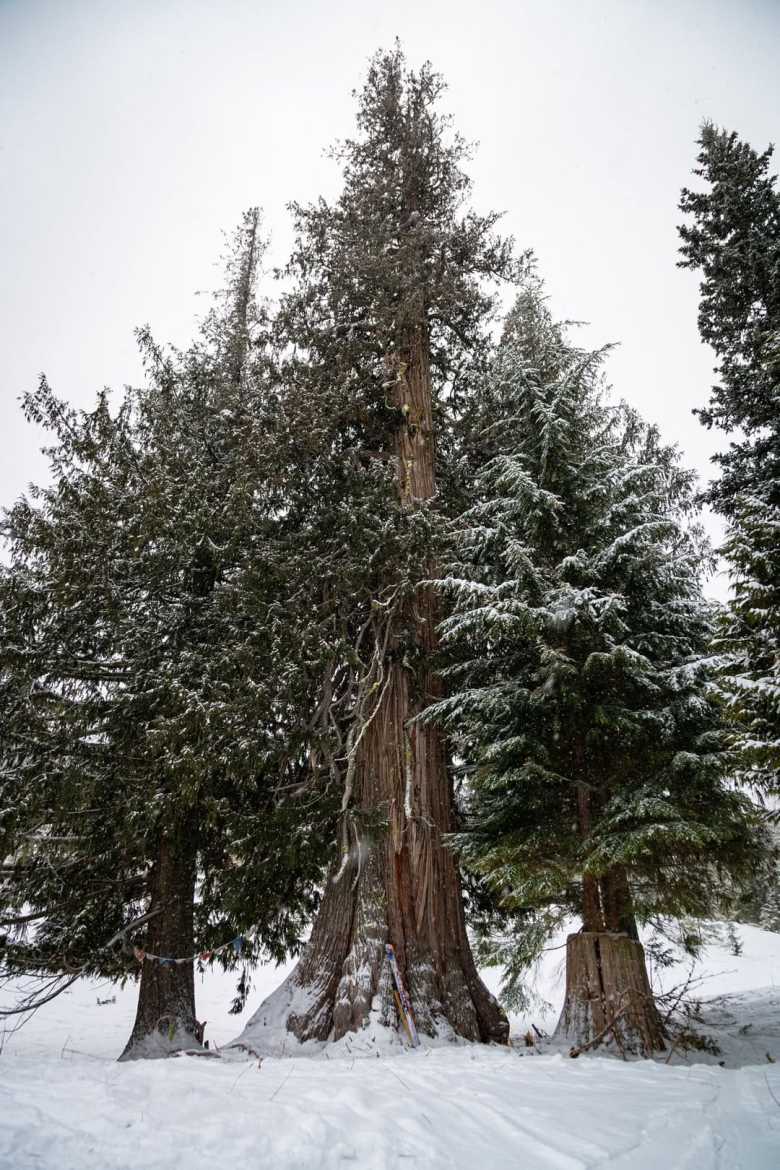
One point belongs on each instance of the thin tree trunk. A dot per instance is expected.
(165, 1016)
(617, 902)
(592, 914)
(400, 884)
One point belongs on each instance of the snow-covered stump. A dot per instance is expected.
(608, 996)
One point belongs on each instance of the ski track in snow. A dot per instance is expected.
(65, 1104)
(442, 1111)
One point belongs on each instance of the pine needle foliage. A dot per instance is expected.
(147, 679)
(590, 736)
(732, 238)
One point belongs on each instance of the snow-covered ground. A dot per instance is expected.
(66, 1104)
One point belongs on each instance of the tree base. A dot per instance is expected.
(163, 1042)
(342, 985)
(290, 1023)
(398, 884)
(361, 1017)
(608, 996)
(165, 1023)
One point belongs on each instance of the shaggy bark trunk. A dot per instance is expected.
(165, 1017)
(399, 884)
(608, 996)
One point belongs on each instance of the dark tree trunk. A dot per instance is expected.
(592, 912)
(608, 996)
(400, 883)
(616, 900)
(165, 1017)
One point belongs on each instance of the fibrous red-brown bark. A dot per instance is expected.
(399, 883)
(608, 996)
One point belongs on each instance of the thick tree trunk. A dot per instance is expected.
(165, 1017)
(399, 883)
(608, 996)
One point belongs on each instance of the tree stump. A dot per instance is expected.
(608, 995)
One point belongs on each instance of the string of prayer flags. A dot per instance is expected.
(237, 944)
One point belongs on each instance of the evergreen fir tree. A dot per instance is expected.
(383, 327)
(146, 737)
(733, 240)
(593, 757)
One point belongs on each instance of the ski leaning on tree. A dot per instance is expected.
(146, 746)
(594, 770)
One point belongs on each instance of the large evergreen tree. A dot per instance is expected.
(384, 324)
(732, 239)
(591, 741)
(146, 730)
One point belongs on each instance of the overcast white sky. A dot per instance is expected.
(132, 133)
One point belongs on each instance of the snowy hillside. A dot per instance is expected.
(65, 1103)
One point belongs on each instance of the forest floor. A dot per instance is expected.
(66, 1104)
